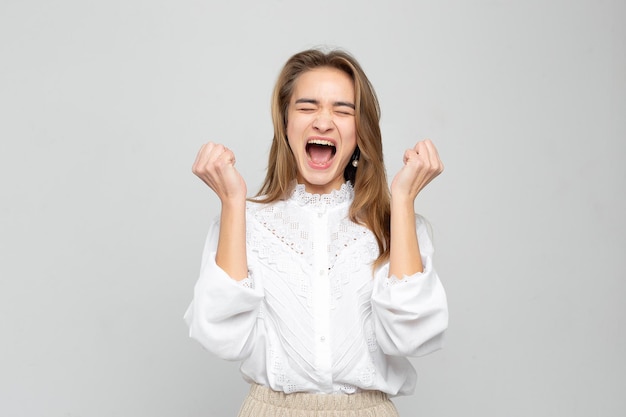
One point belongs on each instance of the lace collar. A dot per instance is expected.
(322, 201)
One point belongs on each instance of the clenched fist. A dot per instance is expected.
(421, 166)
(215, 165)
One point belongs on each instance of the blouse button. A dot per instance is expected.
(322, 338)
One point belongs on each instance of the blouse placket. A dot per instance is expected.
(321, 298)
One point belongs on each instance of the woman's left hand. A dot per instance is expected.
(421, 166)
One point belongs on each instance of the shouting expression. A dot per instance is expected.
(321, 128)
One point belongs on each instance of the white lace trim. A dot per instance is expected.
(393, 280)
(366, 375)
(347, 388)
(322, 201)
(292, 251)
(277, 367)
(247, 283)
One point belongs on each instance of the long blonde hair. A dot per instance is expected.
(371, 204)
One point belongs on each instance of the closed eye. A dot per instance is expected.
(344, 108)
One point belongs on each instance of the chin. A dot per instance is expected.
(325, 182)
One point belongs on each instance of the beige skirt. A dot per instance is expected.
(263, 402)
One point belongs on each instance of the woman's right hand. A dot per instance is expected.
(215, 165)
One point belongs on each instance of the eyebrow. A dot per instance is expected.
(316, 102)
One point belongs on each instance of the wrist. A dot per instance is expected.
(233, 203)
(233, 208)
(402, 202)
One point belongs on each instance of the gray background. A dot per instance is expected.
(103, 105)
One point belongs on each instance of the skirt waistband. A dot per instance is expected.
(320, 402)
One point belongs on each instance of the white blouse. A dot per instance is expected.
(312, 316)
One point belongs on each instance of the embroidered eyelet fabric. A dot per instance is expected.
(312, 316)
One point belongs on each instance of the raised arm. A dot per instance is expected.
(421, 165)
(215, 165)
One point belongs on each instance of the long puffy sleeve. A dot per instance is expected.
(410, 313)
(223, 313)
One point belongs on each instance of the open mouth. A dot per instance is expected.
(320, 151)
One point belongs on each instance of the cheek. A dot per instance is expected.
(348, 131)
(296, 129)
(292, 126)
(292, 136)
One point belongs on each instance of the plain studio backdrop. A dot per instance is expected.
(104, 104)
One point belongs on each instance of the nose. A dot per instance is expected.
(323, 122)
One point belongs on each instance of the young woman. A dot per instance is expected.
(322, 284)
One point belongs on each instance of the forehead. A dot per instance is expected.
(325, 82)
